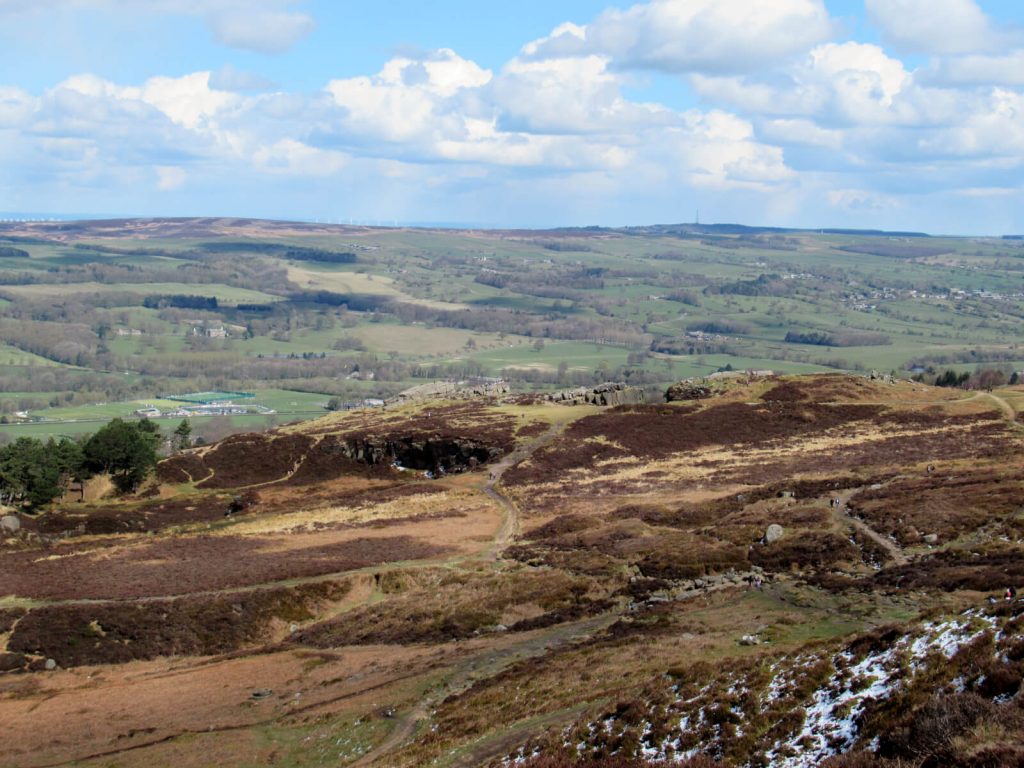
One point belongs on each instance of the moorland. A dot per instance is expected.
(784, 571)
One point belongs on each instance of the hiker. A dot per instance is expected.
(1010, 595)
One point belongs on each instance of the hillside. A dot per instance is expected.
(786, 570)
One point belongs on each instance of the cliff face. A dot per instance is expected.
(438, 455)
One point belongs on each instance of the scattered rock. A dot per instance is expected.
(50, 665)
(10, 523)
(750, 640)
(774, 533)
(930, 538)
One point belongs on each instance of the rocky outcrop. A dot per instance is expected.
(495, 388)
(451, 390)
(437, 390)
(687, 390)
(437, 455)
(609, 394)
(712, 384)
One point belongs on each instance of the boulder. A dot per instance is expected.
(10, 524)
(930, 538)
(774, 533)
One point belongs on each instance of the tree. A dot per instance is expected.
(538, 345)
(182, 436)
(35, 473)
(126, 450)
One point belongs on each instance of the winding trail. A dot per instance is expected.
(1004, 405)
(842, 515)
(512, 524)
(464, 674)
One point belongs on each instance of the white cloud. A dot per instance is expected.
(712, 36)
(188, 101)
(291, 157)
(170, 177)
(719, 150)
(852, 83)
(802, 132)
(933, 26)
(569, 95)
(862, 200)
(406, 100)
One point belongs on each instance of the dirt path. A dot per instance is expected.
(489, 661)
(1004, 406)
(511, 526)
(842, 515)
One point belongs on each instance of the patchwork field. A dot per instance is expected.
(121, 311)
(787, 570)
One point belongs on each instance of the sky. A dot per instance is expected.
(888, 114)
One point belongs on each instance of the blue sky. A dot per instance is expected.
(903, 114)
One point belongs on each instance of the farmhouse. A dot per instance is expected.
(211, 333)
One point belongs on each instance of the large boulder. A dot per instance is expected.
(10, 524)
(774, 533)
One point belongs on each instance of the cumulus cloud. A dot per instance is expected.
(408, 99)
(712, 36)
(849, 82)
(789, 122)
(568, 95)
(934, 26)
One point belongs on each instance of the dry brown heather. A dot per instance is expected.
(603, 557)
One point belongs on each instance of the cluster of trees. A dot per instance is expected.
(985, 379)
(34, 473)
(763, 285)
(181, 301)
(844, 339)
(292, 252)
